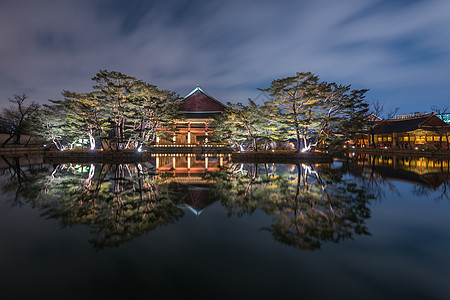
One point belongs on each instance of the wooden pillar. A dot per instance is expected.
(189, 132)
(157, 162)
(189, 162)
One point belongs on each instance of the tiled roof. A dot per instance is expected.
(200, 102)
(426, 122)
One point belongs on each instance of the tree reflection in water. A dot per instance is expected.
(117, 202)
(308, 205)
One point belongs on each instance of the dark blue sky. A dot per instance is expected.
(398, 49)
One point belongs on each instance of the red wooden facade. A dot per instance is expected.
(199, 110)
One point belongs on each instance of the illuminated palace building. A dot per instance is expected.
(199, 110)
(425, 131)
(191, 132)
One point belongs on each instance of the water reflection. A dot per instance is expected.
(308, 204)
(303, 205)
(427, 175)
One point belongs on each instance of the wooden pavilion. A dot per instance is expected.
(198, 109)
(425, 132)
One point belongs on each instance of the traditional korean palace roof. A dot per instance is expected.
(426, 122)
(200, 105)
(198, 198)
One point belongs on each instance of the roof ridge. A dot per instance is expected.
(199, 89)
(412, 118)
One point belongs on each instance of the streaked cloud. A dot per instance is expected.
(398, 49)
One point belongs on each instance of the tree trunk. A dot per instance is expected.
(298, 141)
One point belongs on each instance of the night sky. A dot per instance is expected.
(398, 49)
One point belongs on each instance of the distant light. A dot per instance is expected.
(139, 149)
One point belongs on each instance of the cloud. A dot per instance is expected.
(400, 51)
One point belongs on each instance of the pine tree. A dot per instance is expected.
(242, 126)
(294, 101)
(315, 113)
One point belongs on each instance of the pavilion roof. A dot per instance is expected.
(199, 104)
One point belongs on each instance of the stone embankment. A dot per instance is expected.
(127, 156)
(402, 152)
(281, 157)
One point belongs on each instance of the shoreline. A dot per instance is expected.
(235, 156)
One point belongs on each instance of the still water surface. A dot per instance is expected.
(367, 228)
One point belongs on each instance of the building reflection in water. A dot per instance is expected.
(305, 204)
(424, 173)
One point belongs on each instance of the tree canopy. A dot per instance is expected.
(120, 113)
(316, 113)
(301, 108)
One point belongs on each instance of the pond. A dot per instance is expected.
(360, 227)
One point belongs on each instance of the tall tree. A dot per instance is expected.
(133, 110)
(293, 99)
(17, 117)
(121, 113)
(316, 113)
(242, 126)
(345, 114)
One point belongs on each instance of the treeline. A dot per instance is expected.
(301, 108)
(122, 112)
